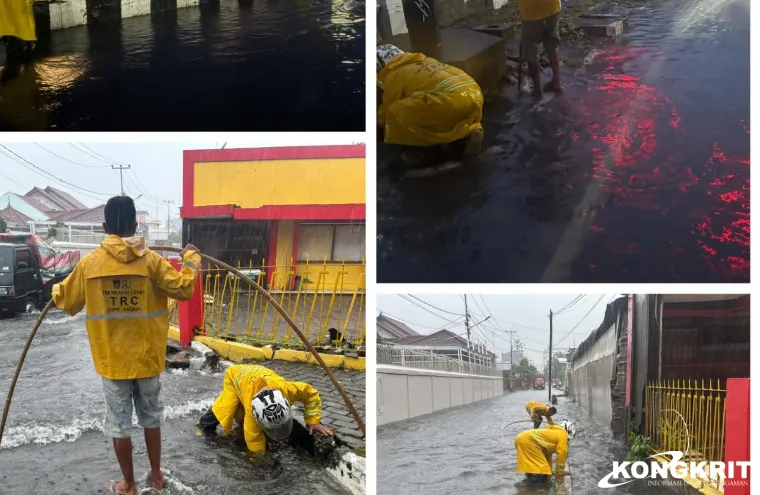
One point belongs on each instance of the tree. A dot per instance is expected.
(3, 225)
(525, 368)
(175, 237)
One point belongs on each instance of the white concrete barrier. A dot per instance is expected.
(70, 13)
(405, 393)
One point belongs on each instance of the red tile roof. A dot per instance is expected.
(14, 217)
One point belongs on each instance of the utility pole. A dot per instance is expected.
(121, 169)
(168, 217)
(551, 334)
(467, 326)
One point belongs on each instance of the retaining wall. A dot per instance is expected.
(592, 374)
(70, 13)
(405, 393)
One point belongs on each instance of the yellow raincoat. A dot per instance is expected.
(241, 384)
(535, 407)
(17, 19)
(125, 287)
(535, 10)
(426, 103)
(535, 448)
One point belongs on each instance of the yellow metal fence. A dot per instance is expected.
(318, 297)
(688, 416)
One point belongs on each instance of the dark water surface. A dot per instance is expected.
(53, 443)
(639, 172)
(252, 65)
(461, 450)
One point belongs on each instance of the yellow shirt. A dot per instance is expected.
(535, 10)
(125, 287)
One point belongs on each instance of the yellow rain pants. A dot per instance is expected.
(536, 447)
(427, 103)
(17, 19)
(241, 384)
(535, 407)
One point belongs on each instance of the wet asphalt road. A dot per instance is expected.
(461, 450)
(260, 65)
(53, 443)
(639, 172)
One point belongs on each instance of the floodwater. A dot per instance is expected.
(461, 450)
(53, 442)
(639, 172)
(247, 65)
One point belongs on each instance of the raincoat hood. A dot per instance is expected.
(125, 249)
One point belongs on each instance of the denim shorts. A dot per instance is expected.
(145, 393)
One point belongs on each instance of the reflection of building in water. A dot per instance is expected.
(299, 209)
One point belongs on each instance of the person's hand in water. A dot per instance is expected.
(321, 429)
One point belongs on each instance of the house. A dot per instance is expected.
(389, 329)
(447, 343)
(15, 220)
(55, 200)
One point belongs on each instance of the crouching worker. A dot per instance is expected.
(426, 103)
(17, 28)
(535, 449)
(538, 411)
(123, 286)
(261, 399)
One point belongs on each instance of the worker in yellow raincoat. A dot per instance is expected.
(538, 410)
(536, 447)
(124, 287)
(17, 27)
(427, 103)
(540, 27)
(261, 399)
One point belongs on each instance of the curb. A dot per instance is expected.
(235, 351)
(351, 473)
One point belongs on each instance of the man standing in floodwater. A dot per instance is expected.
(261, 399)
(124, 287)
(538, 410)
(540, 26)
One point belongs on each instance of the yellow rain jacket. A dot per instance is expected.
(17, 19)
(241, 384)
(426, 103)
(535, 407)
(535, 10)
(535, 448)
(125, 287)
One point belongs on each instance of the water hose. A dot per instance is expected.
(237, 273)
(288, 319)
(20, 363)
(513, 423)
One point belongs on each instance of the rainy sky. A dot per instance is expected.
(527, 314)
(156, 168)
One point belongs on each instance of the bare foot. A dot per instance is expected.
(121, 488)
(158, 480)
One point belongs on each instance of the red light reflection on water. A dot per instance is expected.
(624, 116)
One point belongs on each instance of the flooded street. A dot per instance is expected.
(461, 450)
(53, 442)
(639, 172)
(252, 65)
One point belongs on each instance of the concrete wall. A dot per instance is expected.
(405, 393)
(592, 373)
(391, 21)
(61, 15)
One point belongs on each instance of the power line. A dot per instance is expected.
(584, 317)
(423, 307)
(70, 161)
(18, 159)
(428, 304)
(571, 304)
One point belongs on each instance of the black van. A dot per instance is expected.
(21, 286)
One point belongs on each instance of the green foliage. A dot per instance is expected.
(362, 450)
(524, 368)
(3, 226)
(639, 447)
(175, 237)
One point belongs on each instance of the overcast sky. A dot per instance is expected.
(527, 314)
(156, 168)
